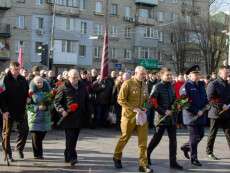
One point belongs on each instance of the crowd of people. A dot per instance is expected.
(40, 100)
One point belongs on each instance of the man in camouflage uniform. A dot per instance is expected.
(132, 96)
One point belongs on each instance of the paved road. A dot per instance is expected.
(95, 149)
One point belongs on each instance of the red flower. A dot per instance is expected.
(154, 102)
(30, 94)
(73, 107)
(53, 92)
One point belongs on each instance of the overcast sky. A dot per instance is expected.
(221, 5)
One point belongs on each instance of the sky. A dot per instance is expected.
(221, 5)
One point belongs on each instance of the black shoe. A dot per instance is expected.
(117, 163)
(186, 155)
(21, 154)
(149, 161)
(196, 162)
(176, 166)
(39, 157)
(73, 162)
(145, 169)
(11, 159)
(213, 157)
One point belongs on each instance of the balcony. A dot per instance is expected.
(145, 21)
(65, 10)
(5, 4)
(5, 30)
(147, 2)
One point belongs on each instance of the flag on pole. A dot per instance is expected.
(20, 57)
(105, 58)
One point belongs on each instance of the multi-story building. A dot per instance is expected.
(139, 30)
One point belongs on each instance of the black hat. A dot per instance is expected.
(193, 69)
(84, 72)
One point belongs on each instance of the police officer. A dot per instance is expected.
(132, 96)
(194, 89)
(163, 97)
(218, 92)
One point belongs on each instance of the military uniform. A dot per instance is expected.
(133, 94)
(196, 93)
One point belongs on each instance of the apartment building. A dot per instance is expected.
(138, 31)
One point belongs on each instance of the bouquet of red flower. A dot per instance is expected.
(71, 108)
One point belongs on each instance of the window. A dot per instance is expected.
(70, 3)
(21, 22)
(114, 31)
(83, 27)
(98, 29)
(61, 2)
(127, 32)
(97, 51)
(151, 33)
(82, 4)
(127, 53)
(143, 13)
(19, 44)
(69, 46)
(99, 7)
(127, 11)
(161, 36)
(114, 9)
(39, 2)
(113, 53)
(40, 23)
(143, 52)
(160, 16)
(82, 50)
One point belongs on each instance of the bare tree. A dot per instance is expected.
(211, 41)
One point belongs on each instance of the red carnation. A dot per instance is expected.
(154, 102)
(73, 107)
(53, 92)
(30, 94)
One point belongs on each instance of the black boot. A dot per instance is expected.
(186, 155)
(117, 163)
(196, 162)
(175, 165)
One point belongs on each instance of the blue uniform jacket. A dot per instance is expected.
(198, 98)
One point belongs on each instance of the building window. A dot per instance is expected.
(70, 3)
(99, 7)
(40, 23)
(61, 2)
(69, 46)
(83, 27)
(82, 50)
(97, 51)
(39, 2)
(98, 29)
(151, 33)
(21, 22)
(113, 53)
(82, 4)
(19, 44)
(114, 31)
(114, 9)
(127, 32)
(127, 11)
(160, 16)
(143, 52)
(161, 37)
(127, 53)
(144, 13)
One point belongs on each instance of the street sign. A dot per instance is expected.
(118, 66)
(149, 64)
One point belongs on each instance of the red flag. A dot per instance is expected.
(20, 57)
(105, 58)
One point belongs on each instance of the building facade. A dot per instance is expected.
(138, 30)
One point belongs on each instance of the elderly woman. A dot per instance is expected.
(38, 113)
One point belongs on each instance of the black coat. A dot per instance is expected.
(67, 95)
(15, 95)
(218, 89)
